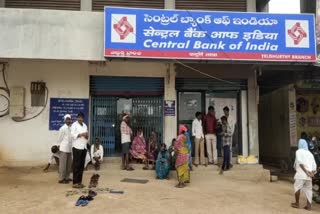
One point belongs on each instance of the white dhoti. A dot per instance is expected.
(88, 159)
(304, 186)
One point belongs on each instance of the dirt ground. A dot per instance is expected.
(29, 190)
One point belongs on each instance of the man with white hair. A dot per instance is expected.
(65, 145)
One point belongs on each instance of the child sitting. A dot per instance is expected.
(97, 154)
(172, 155)
(163, 163)
(55, 155)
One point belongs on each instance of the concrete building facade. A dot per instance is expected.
(65, 49)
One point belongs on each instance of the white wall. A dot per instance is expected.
(51, 34)
(27, 143)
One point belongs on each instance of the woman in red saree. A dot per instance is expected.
(138, 148)
(182, 151)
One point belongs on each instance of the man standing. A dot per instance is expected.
(306, 167)
(126, 133)
(79, 132)
(197, 133)
(226, 142)
(232, 124)
(65, 142)
(209, 127)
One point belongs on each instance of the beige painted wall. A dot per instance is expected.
(28, 143)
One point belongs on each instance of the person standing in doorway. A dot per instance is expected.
(65, 142)
(209, 127)
(232, 124)
(79, 133)
(197, 133)
(126, 133)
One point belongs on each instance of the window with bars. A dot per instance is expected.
(98, 5)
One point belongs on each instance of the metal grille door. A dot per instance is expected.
(147, 114)
(103, 122)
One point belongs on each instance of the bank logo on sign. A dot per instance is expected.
(123, 28)
(297, 34)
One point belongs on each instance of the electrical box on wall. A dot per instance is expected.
(38, 91)
(17, 102)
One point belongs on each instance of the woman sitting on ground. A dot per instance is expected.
(139, 148)
(182, 162)
(97, 154)
(163, 163)
(152, 149)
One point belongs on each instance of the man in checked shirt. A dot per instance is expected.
(126, 133)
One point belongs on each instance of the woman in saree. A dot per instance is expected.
(163, 163)
(139, 148)
(182, 161)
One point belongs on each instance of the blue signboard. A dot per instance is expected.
(180, 34)
(62, 106)
(169, 108)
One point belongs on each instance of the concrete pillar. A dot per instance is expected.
(253, 99)
(170, 122)
(86, 5)
(169, 4)
(244, 123)
(2, 3)
(251, 6)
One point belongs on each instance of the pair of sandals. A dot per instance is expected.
(78, 186)
(128, 168)
(295, 205)
(94, 180)
(84, 200)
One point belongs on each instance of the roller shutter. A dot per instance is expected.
(98, 5)
(126, 86)
(44, 4)
(208, 84)
(216, 5)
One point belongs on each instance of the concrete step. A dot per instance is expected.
(245, 172)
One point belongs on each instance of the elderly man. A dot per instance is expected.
(126, 133)
(305, 167)
(65, 145)
(79, 132)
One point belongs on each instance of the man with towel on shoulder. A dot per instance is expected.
(126, 133)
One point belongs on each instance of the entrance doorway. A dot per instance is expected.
(191, 102)
(106, 116)
(112, 96)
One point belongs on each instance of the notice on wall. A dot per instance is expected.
(169, 108)
(62, 106)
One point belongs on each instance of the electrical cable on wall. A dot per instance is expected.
(43, 108)
(4, 112)
(194, 69)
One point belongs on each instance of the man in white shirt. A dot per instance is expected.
(306, 167)
(65, 145)
(197, 133)
(232, 124)
(79, 133)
